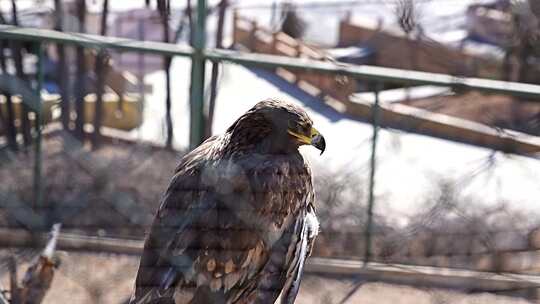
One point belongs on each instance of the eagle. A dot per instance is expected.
(237, 221)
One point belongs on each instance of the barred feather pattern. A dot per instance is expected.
(236, 223)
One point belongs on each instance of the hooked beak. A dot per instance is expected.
(315, 139)
(318, 141)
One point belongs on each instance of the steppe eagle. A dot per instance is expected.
(237, 221)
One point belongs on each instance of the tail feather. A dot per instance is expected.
(152, 296)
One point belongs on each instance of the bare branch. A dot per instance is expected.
(407, 14)
(13, 285)
(39, 275)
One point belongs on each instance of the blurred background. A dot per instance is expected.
(428, 192)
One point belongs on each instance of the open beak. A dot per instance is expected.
(315, 139)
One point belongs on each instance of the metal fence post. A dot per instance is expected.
(197, 78)
(372, 167)
(38, 187)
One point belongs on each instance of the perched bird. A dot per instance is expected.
(237, 221)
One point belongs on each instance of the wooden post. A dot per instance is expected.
(38, 122)
(80, 91)
(298, 48)
(347, 17)
(62, 69)
(165, 14)
(118, 29)
(101, 74)
(141, 64)
(189, 14)
(375, 117)
(215, 69)
(253, 36)
(299, 74)
(17, 53)
(316, 77)
(11, 132)
(235, 26)
(273, 49)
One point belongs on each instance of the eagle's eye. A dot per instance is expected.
(299, 128)
(293, 126)
(307, 129)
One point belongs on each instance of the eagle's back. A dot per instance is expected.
(222, 218)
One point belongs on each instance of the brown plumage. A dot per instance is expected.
(237, 220)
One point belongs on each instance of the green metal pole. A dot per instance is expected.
(197, 78)
(371, 200)
(38, 187)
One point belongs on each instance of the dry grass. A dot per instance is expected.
(108, 279)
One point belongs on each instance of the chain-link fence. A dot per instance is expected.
(426, 192)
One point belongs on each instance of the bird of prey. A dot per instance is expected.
(237, 221)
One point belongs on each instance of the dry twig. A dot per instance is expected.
(39, 275)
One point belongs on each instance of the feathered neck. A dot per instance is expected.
(253, 132)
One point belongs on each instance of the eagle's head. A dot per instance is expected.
(275, 126)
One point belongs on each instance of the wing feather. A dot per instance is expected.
(283, 273)
(220, 223)
(310, 230)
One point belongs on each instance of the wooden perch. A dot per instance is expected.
(39, 275)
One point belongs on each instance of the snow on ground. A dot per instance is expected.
(408, 164)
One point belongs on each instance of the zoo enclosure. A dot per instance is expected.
(200, 54)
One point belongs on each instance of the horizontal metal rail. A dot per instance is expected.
(376, 73)
(93, 41)
(272, 61)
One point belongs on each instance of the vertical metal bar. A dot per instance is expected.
(62, 67)
(38, 125)
(81, 84)
(197, 78)
(141, 68)
(165, 16)
(371, 200)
